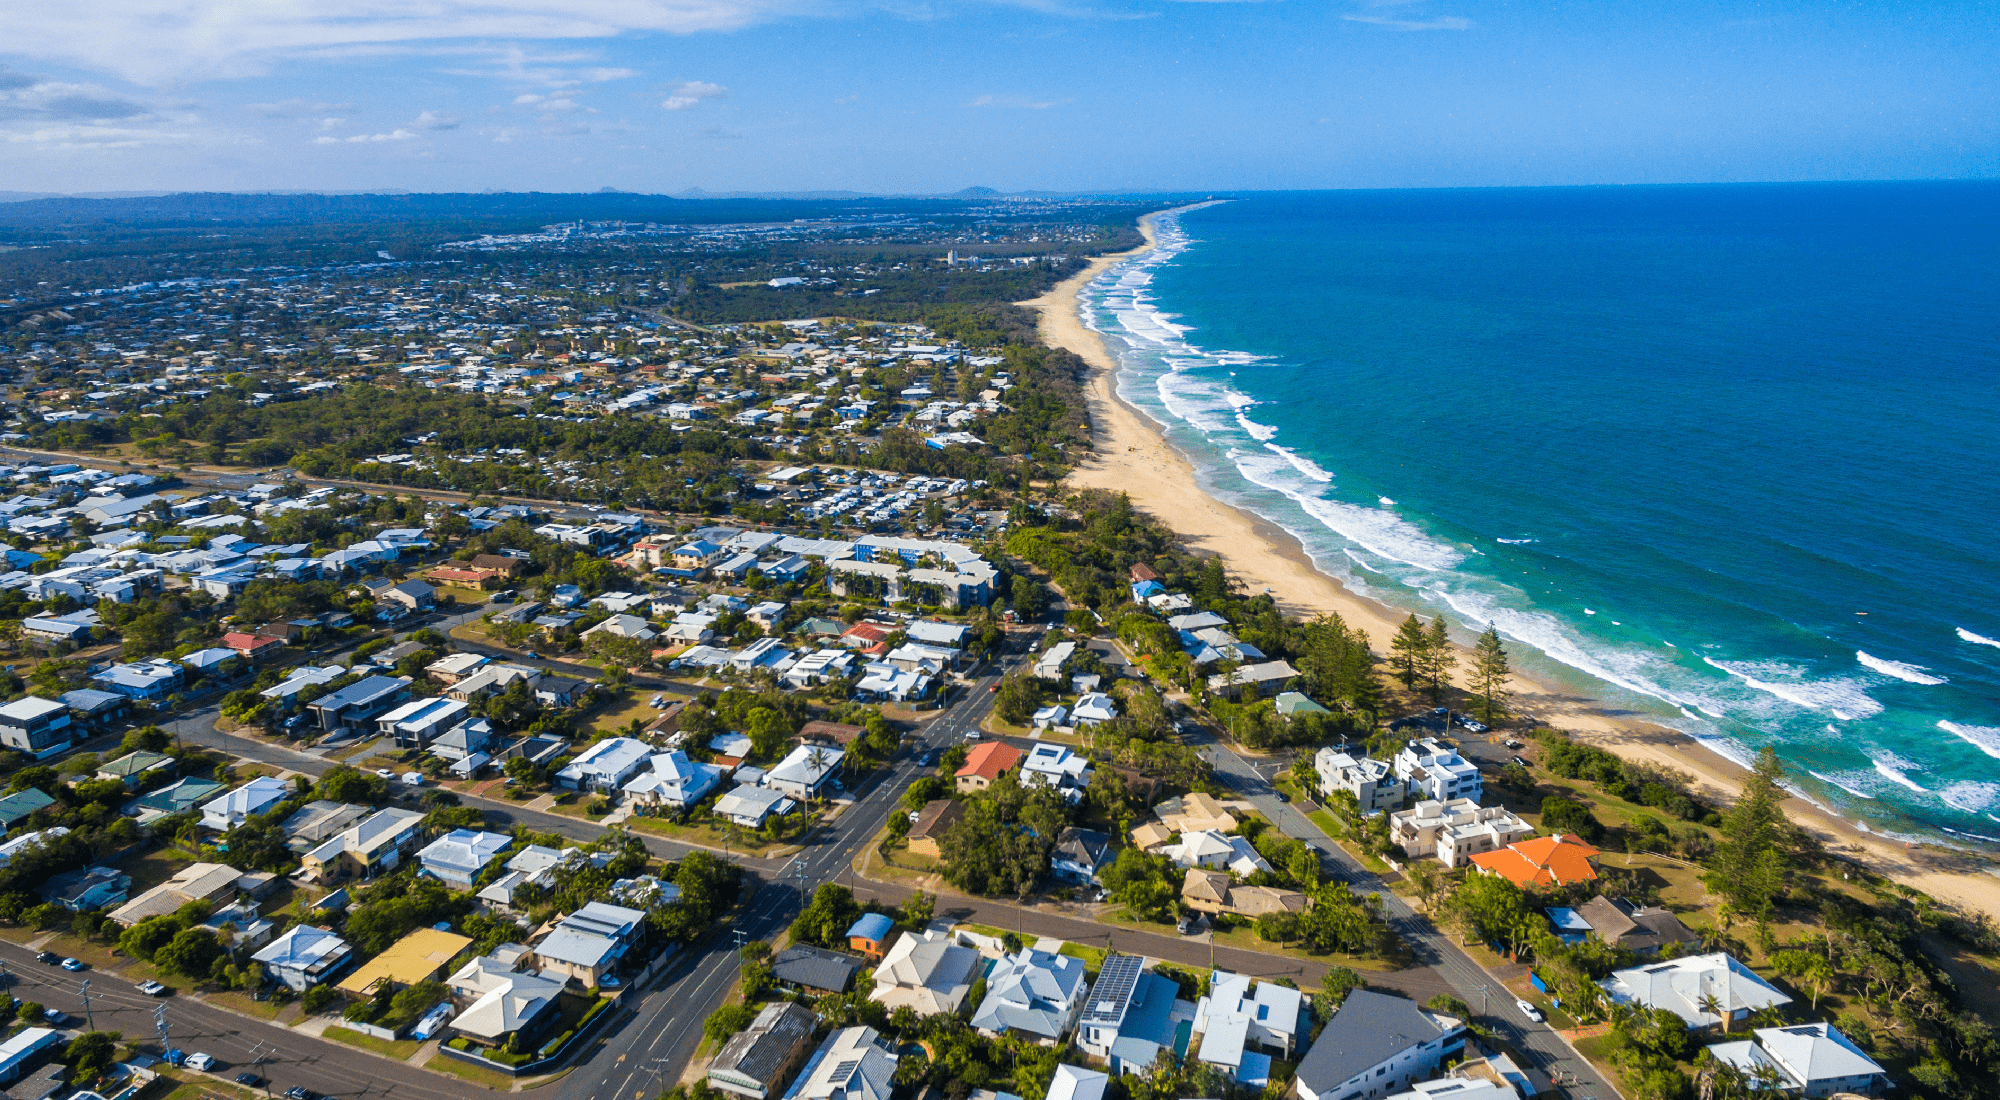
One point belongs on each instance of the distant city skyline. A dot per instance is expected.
(928, 96)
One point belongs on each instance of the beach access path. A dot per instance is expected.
(1130, 455)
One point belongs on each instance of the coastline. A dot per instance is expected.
(1131, 455)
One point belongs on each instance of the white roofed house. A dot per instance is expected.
(1214, 850)
(806, 772)
(414, 724)
(854, 1063)
(1033, 993)
(624, 626)
(1807, 1059)
(925, 972)
(751, 807)
(1685, 985)
(38, 727)
(375, 844)
(1254, 681)
(1052, 765)
(457, 857)
(509, 1004)
(589, 944)
(606, 766)
(305, 956)
(674, 781)
(1373, 783)
(1434, 770)
(236, 807)
(1241, 1013)
(1092, 708)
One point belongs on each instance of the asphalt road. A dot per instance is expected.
(285, 1057)
(1544, 1051)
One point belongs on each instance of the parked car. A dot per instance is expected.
(55, 1016)
(385, 773)
(1521, 760)
(49, 958)
(74, 964)
(1473, 725)
(1528, 1010)
(1511, 743)
(300, 1092)
(249, 1080)
(153, 989)
(203, 1062)
(1282, 796)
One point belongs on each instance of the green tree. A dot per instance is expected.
(1489, 674)
(1407, 652)
(1749, 864)
(1439, 660)
(192, 952)
(90, 1054)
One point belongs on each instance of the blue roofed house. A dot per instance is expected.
(358, 703)
(1032, 993)
(589, 944)
(154, 679)
(457, 857)
(1132, 1014)
(17, 807)
(88, 888)
(175, 798)
(870, 935)
(1244, 1023)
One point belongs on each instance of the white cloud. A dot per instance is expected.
(1017, 101)
(26, 98)
(431, 120)
(398, 134)
(297, 108)
(557, 104)
(1441, 23)
(691, 93)
(158, 41)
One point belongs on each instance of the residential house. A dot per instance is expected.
(358, 703)
(372, 846)
(675, 781)
(136, 769)
(1685, 986)
(1216, 851)
(1092, 708)
(1243, 1023)
(751, 807)
(1131, 1015)
(410, 595)
(304, 957)
(1033, 993)
(457, 857)
(1374, 1046)
(589, 944)
(1052, 765)
(1621, 924)
(463, 741)
(1419, 830)
(414, 724)
(813, 970)
(926, 973)
(456, 667)
(1543, 861)
(420, 956)
(870, 934)
(174, 798)
(154, 679)
(606, 766)
(854, 1063)
(1434, 770)
(759, 1061)
(38, 727)
(806, 772)
(1808, 1059)
(1215, 892)
(932, 821)
(1195, 813)
(1372, 783)
(87, 888)
(319, 821)
(491, 678)
(560, 691)
(624, 626)
(1075, 1083)
(243, 803)
(509, 1005)
(95, 709)
(1254, 681)
(839, 735)
(209, 882)
(1489, 831)
(1050, 665)
(1079, 854)
(24, 803)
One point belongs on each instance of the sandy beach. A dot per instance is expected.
(1131, 456)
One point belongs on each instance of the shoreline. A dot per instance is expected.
(1130, 454)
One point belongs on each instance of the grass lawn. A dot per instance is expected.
(741, 840)
(475, 632)
(399, 1049)
(992, 724)
(465, 597)
(1093, 957)
(471, 1074)
(244, 1003)
(625, 704)
(152, 868)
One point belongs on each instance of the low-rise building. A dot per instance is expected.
(1374, 1046)
(590, 943)
(1131, 1015)
(937, 816)
(305, 956)
(607, 765)
(136, 769)
(806, 772)
(38, 727)
(374, 845)
(674, 782)
(854, 1063)
(418, 957)
(1033, 993)
(457, 857)
(1243, 1023)
(814, 970)
(1621, 924)
(1079, 854)
(209, 882)
(414, 724)
(1372, 783)
(758, 1062)
(1543, 861)
(1685, 985)
(358, 703)
(1806, 1059)
(1434, 770)
(927, 973)
(751, 807)
(1052, 765)
(252, 798)
(984, 763)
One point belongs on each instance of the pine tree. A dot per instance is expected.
(1439, 660)
(1749, 865)
(1489, 674)
(1407, 652)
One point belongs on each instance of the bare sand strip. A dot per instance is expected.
(1131, 456)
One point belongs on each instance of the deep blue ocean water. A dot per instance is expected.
(1672, 441)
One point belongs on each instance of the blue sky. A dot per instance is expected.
(934, 95)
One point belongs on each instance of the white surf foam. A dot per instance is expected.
(1984, 738)
(1970, 795)
(1381, 533)
(1385, 502)
(1891, 768)
(1515, 542)
(1845, 786)
(1842, 698)
(1915, 674)
(1976, 639)
(1301, 463)
(1262, 433)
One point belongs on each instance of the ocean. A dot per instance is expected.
(1723, 456)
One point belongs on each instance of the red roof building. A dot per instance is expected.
(1543, 861)
(252, 645)
(986, 763)
(1141, 573)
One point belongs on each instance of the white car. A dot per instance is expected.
(385, 773)
(201, 1062)
(1530, 1011)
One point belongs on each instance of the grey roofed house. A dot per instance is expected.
(854, 1063)
(812, 968)
(591, 936)
(515, 1004)
(926, 973)
(359, 701)
(1813, 1059)
(1033, 992)
(1633, 927)
(319, 820)
(1376, 1031)
(756, 1061)
(1079, 853)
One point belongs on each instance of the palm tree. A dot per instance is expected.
(1710, 1005)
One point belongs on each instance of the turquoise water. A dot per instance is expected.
(1723, 456)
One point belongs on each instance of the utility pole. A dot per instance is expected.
(83, 990)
